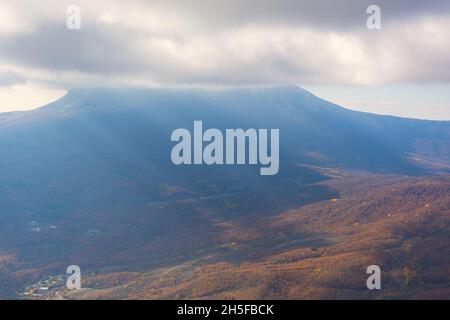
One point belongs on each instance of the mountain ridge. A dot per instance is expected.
(80, 92)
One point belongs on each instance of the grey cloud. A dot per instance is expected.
(240, 42)
(335, 14)
(8, 78)
(57, 48)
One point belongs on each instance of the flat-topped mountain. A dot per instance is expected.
(88, 180)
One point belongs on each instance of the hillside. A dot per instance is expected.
(401, 224)
(88, 180)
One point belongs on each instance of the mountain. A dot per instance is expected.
(88, 179)
(90, 139)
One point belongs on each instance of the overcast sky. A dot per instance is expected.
(324, 46)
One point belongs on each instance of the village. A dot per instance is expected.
(44, 287)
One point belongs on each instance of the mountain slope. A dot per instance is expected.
(400, 224)
(88, 179)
